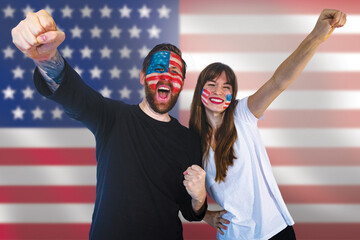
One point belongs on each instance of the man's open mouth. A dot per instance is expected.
(163, 92)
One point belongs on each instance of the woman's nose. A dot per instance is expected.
(218, 89)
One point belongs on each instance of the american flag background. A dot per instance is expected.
(312, 131)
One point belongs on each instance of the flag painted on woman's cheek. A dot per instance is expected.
(205, 96)
(162, 68)
(228, 101)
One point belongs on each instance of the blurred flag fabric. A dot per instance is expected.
(312, 134)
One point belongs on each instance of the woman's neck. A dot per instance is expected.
(214, 119)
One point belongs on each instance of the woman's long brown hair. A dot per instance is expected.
(225, 135)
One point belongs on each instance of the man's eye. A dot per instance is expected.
(159, 69)
(174, 71)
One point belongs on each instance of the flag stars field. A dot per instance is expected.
(144, 12)
(67, 52)
(76, 32)
(67, 12)
(28, 93)
(8, 12)
(115, 32)
(8, 93)
(125, 93)
(125, 12)
(37, 113)
(86, 12)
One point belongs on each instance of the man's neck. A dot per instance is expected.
(145, 107)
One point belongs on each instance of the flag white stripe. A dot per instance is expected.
(297, 100)
(46, 213)
(324, 175)
(311, 137)
(81, 213)
(269, 61)
(86, 175)
(46, 137)
(257, 24)
(47, 175)
(272, 137)
(325, 213)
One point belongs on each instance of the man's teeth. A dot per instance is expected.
(164, 89)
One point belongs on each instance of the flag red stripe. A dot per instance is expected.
(311, 118)
(86, 194)
(47, 156)
(44, 231)
(311, 231)
(278, 157)
(202, 231)
(260, 43)
(265, 7)
(321, 194)
(306, 81)
(45, 194)
(314, 156)
(301, 118)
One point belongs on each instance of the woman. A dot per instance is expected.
(237, 170)
(239, 176)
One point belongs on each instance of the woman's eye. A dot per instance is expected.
(159, 69)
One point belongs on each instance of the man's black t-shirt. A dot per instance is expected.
(140, 164)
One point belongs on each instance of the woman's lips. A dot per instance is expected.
(216, 100)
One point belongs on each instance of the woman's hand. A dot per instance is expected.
(215, 219)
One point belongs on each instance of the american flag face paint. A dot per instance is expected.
(205, 96)
(165, 66)
(227, 101)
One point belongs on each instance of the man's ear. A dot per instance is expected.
(142, 78)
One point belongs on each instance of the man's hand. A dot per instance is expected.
(215, 219)
(37, 36)
(329, 20)
(195, 185)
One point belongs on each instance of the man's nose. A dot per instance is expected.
(164, 76)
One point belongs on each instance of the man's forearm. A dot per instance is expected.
(291, 68)
(198, 204)
(52, 70)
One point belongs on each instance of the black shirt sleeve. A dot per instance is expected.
(186, 208)
(79, 101)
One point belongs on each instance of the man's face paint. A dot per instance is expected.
(167, 67)
(205, 98)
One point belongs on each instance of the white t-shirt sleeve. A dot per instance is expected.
(243, 113)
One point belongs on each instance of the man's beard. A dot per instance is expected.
(159, 107)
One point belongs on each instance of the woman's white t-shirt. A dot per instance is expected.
(250, 194)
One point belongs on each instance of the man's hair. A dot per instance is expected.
(163, 47)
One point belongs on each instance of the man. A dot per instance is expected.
(147, 163)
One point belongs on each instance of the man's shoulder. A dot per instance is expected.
(189, 136)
